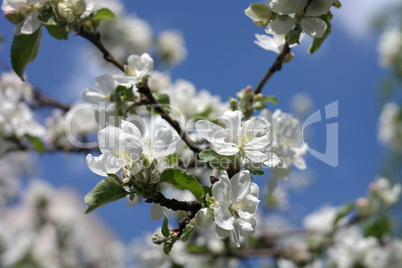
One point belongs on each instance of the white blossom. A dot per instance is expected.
(236, 202)
(248, 138)
(310, 22)
(30, 9)
(172, 49)
(321, 220)
(120, 146)
(390, 126)
(389, 46)
(287, 142)
(382, 188)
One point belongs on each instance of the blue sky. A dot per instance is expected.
(223, 59)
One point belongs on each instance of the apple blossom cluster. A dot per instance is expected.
(286, 21)
(390, 126)
(29, 15)
(16, 118)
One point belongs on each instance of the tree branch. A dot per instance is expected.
(276, 66)
(144, 89)
(173, 204)
(95, 40)
(42, 100)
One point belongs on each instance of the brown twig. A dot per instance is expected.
(95, 40)
(276, 66)
(41, 100)
(144, 89)
(173, 204)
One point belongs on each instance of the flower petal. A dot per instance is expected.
(281, 25)
(319, 7)
(104, 164)
(314, 27)
(204, 217)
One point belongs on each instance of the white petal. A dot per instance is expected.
(166, 141)
(287, 6)
(221, 232)
(104, 164)
(31, 23)
(267, 43)
(240, 184)
(232, 120)
(282, 25)
(319, 7)
(246, 226)
(314, 27)
(204, 217)
(273, 160)
(108, 139)
(106, 84)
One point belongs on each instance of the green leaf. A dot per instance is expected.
(24, 50)
(379, 227)
(167, 247)
(48, 17)
(216, 160)
(106, 191)
(57, 32)
(182, 180)
(165, 229)
(317, 42)
(257, 172)
(187, 232)
(207, 190)
(36, 143)
(347, 208)
(271, 99)
(103, 14)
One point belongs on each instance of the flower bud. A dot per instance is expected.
(259, 12)
(289, 57)
(79, 7)
(158, 238)
(14, 17)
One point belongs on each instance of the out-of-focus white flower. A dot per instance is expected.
(16, 118)
(310, 20)
(187, 103)
(248, 139)
(321, 220)
(159, 80)
(172, 49)
(287, 142)
(301, 104)
(48, 226)
(390, 46)
(390, 126)
(236, 202)
(350, 247)
(382, 188)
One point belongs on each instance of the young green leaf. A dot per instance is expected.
(271, 99)
(165, 229)
(347, 208)
(106, 191)
(24, 50)
(182, 180)
(187, 232)
(36, 143)
(103, 14)
(318, 41)
(216, 160)
(57, 32)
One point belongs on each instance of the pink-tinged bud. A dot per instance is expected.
(373, 187)
(362, 202)
(14, 17)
